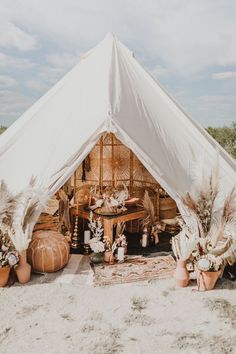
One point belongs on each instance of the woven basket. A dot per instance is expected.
(167, 208)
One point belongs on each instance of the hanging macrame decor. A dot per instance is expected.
(86, 167)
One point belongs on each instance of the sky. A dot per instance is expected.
(189, 46)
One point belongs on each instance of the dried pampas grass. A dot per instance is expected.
(19, 213)
(216, 228)
(150, 218)
(184, 243)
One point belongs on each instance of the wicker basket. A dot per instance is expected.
(167, 208)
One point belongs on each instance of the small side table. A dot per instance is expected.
(132, 213)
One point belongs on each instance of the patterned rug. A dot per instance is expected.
(134, 269)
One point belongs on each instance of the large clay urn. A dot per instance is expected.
(48, 251)
(206, 280)
(4, 275)
(181, 274)
(23, 269)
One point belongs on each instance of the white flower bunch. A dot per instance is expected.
(96, 228)
(209, 263)
(96, 245)
(8, 255)
(204, 264)
(121, 241)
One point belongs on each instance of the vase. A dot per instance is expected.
(4, 275)
(181, 274)
(96, 257)
(112, 259)
(120, 254)
(206, 280)
(107, 255)
(23, 270)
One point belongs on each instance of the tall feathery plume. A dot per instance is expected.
(229, 205)
(184, 244)
(19, 213)
(149, 208)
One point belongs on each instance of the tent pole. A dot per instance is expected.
(75, 201)
(131, 171)
(101, 165)
(158, 202)
(113, 162)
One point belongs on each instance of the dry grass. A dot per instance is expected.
(202, 343)
(100, 336)
(139, 304)
(225, 309)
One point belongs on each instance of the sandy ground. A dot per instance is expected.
(64, 313)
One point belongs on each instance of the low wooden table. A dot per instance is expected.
(132, 213)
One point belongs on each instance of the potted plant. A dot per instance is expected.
(183, 245)
(18, 215)
(208, 269)
(8, 258)
(212, 222)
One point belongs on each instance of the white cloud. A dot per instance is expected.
(177, 38)
(224, 75)
(160, 71)
(62, 61)
(7, 81)
(184, 34)
(37, 85)
(12, 105)
(56, 65)
(214, 109)
(13, 36)
(8, 61)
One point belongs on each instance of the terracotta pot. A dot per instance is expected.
(96, 257)
(206, 280)
(23, 270)
(112, 259)
(48, 251)
(4, 275)
(181, 274)
(107, 255)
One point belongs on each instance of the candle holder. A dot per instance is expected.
(75, 238)
(86, 249)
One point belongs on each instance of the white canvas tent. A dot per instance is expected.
(108, 91)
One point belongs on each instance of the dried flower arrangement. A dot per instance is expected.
(184, 243)
(95, 225)
(120, 237)
(8, 254)
(210, 236)
(111, 201)
(209, 263)
(151, 222)
(19, 213)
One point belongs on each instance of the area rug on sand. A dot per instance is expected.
(134, 269)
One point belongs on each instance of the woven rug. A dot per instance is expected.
(134, 269)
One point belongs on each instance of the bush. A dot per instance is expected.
(226, 137)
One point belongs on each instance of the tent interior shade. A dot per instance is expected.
(109, 91)
(112, 164)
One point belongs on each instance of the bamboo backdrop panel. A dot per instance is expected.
(116, 167)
